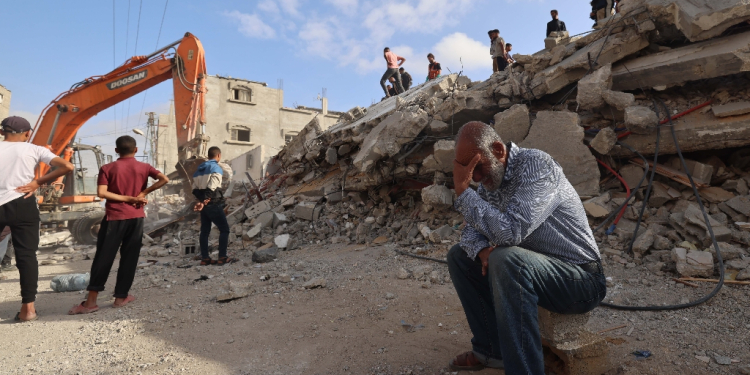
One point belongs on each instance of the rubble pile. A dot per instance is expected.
(383, 174)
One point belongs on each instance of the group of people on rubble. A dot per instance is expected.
(123, 184)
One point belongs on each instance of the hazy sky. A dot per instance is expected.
(337, 44)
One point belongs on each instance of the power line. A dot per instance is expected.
(158, 36)
(127, 40)
(135, 51)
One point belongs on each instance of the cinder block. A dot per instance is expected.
(569, 348)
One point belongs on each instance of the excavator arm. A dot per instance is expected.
(185, 64)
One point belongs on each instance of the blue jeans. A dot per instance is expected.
(214, 213)
(501, 308)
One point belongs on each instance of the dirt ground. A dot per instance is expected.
(352, 326)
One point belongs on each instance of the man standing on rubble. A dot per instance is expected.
(405, 78)
(394, 62)
(555, 24)
(207, 189)
(527, 242)
(497, 50)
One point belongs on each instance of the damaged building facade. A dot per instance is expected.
(4, 102)
(248, 121)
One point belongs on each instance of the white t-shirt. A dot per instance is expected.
(17, 163)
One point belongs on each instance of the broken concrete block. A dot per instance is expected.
(439, 127)
(344, 149)
(700, 172)
(632, 174)
(697, 20)
(279, 219)
(740, 204)
(731, 109)
(569, 347)
(641, 120)
(265, 220)
(254, 231)
(555, 39)
(234, 290)
(604, 141)
(592, 86)
(661, 194)
(617, 99)
(307, 211)
(692, 263)
(728, 251)
(644, 241)
(388, 136)
(332, 156)
(281, 241)
(444, 154)
(714, 58)
(296, 150)
(715, 194)
(598, 207)
(513, 124)
(316, 282)
(437, 195)
(577, 162)
(440, 234)
(258, 209)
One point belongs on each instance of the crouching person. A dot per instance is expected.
(124, 185)
(527, 243)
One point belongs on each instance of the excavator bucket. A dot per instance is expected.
(186, 169)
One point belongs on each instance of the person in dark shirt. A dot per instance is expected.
(433, 70)
(555, 24)
(405, 78)
(391, 87)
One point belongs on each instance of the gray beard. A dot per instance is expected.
(495, 179)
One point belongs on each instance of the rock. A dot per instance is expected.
(402, 274)
(632, 174)
(437, 195)
(577, 162)
(65, 250)
(555, 38)
(344, 149)
(258, 209)
(234, 290)
(740, 204)
(691, 263)
(332, 156)
(513, 124)
(641, 120)
(362, 231)
(438, 127)
(281, 241)
(279, 219)
(380, 240)
(284, 278)
(662, 243)
(661, 194)
(440, 234)
(592, 86)
(390, 296)
(715, 194)
(307, 211)
(254, 231)
(444, 154)
(731, 109)
(604, 141)
(598, 207)
(743, 275)
(617, 99)
(644, 241)
(699, 171)
(266, 255)
(388, 136)
(722, 360)
(316, 282)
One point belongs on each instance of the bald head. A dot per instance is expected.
(479, 138)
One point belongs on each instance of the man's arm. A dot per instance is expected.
(549, 28)
(103, 193)
(401, 61)
(161, 181)
(63, 168)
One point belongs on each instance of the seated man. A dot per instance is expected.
(527, 242)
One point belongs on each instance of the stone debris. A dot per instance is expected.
(693, 263)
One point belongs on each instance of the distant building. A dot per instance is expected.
(243, 116)
(4, 104)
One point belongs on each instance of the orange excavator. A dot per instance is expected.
(72, 201)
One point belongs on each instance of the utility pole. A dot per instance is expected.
(152, 139)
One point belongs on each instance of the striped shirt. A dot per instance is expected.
(535, 208)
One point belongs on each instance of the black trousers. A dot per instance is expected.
(22, 216)
(125, 235)
(502, 63)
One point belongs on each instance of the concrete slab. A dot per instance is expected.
(731, 109)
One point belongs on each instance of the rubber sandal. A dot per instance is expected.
(207, 262)
(226, 260)
(19, 320)
(127, 300)
(81, 309)
(464, 366)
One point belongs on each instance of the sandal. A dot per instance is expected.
(470, 362)
(19, 320)
(225, 260)
(124, 302)
(207, 262)
(81, 309)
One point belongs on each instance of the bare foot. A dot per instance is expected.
(120, 302)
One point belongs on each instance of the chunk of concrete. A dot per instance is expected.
(731, 109)
(700, 172)
(569, 347)
(279, 219)
(619, 100)
(513, 124)
(577, 162)
(598, 207)
(641, 120)
(592, 87)
(632, 174)
(307, 211)
(387, 137)
(437, 195)
(344, 149)
(265, 220)
(715, 194)
(444, 152)
(257, 209)
(555, 39)
(254, 231)
(714, 58)
(644, 241)
(604, 141)
(692, 263)
(332, 156)
(439, 127)
(697, 20)
(740, 204)
(281, 241)
(266, 255)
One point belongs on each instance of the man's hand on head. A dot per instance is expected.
(463, 174)
(484, 256)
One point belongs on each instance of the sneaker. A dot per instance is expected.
(8, 267)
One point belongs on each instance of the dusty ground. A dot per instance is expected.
(353, 326)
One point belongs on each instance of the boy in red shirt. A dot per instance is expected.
(123, 184)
